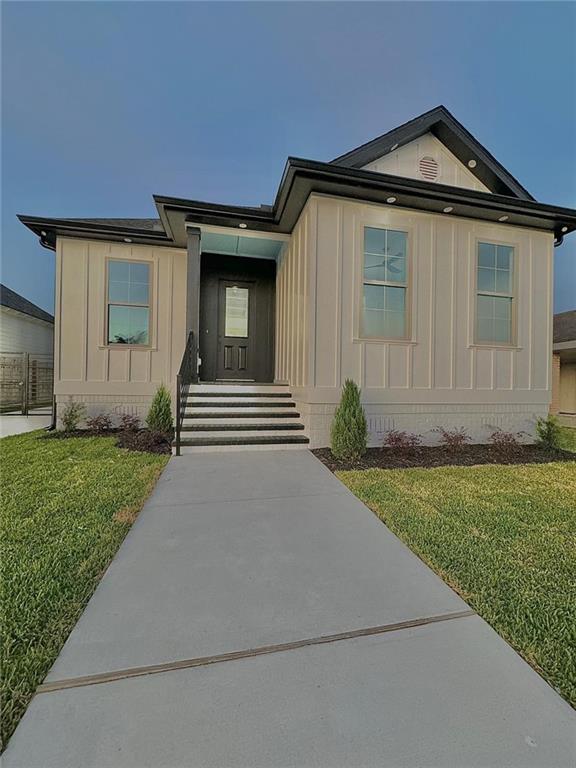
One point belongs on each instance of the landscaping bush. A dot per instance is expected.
(453, 439)
(129, 422)
(72, 415)
(549, 432)
(99, 424)
(349, 433)
(401, 441)
(505, 442)
(159, 417)
(145, 440)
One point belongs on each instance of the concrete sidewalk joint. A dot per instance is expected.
(202, 661)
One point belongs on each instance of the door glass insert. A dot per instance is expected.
(236, 319)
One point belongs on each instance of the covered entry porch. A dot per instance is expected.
(231, 303)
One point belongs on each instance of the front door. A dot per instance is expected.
(236, 330)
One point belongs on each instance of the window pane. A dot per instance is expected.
(374, 240)
(138, 293)
(139, 273)
(119, 292)
(485, 332)
(384, 311)
(503, 281)
(119, 271)
(236, 319)
(504, 257)
(396, 269)
(486, 279)
(486, 255)
(374, 267)
(395, 243)
(502, 330)
(502, 307)
(128, 325)
(485, 306)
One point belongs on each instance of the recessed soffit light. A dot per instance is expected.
(127, 240)
(390, 199)
(393, 147)
(564, 229)
(242, 226)
(448, 209)
(503, 218)
(472, 163)
(43, 233)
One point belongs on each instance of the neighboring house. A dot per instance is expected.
(564, 368)
(416, 265)
(26, 352)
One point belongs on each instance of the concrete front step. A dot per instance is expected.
(237, 387)
(241, 426)
(225, 413)
(245, 440)
(242, 435)
(239, 448)
(231, 394)
(234, 403)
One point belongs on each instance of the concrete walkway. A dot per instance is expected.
(235, 551)
(16, 425)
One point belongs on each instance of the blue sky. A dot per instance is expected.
(105, 104)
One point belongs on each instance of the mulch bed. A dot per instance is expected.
(440, 456)
(130, 439)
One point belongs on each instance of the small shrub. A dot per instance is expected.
(401, 441)
(129, 422)
(453, 439)
(505, 442)
(159, 417)
(349, 433)
(549, 432)
(72, 415)
(145, 440)
(100, 423)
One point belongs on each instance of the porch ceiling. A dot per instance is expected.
(239, 245)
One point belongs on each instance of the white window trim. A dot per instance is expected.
(513, 343)
(111, 345)
(397, 226)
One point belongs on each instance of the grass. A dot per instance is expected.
(66, 506)
(504, 537)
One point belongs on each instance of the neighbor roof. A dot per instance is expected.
(565, 326)
(13, 300)
(343, 177)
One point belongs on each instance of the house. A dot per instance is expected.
(26, 353)
(564, 368)
(415, 264)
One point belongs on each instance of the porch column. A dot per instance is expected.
(193, 282)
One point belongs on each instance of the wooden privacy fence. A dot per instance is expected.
(26, 381)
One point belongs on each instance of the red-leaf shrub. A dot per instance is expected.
(129, 422)
(100, 423)
(401, 441)
(453, 439)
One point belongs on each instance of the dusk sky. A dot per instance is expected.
(106, 103)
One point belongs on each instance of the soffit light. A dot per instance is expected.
(127, 240)
(503, 218)
(390, 199)
(393, 147)
(43, 233)
(564, 229)
(448, 209)
(471, 163)
(242, 226)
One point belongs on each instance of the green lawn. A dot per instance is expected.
(66, 506)
(504, 537)
(568, 439)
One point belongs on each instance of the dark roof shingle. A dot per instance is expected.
(565, 326)
(13, 300)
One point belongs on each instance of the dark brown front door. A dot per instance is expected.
(236, 335)
(236, 330)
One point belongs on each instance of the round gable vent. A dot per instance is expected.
(428, 168)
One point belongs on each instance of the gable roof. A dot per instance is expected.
(12, 300)
(442, 124)
(565, 326)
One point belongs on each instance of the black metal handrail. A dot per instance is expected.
(187, 374)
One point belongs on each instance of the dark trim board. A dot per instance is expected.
(260, 274)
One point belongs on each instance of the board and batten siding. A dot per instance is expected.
(439, 376)
(115, 378)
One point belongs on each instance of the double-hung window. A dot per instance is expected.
(385, 284)
(495, 294)
(128, 302)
